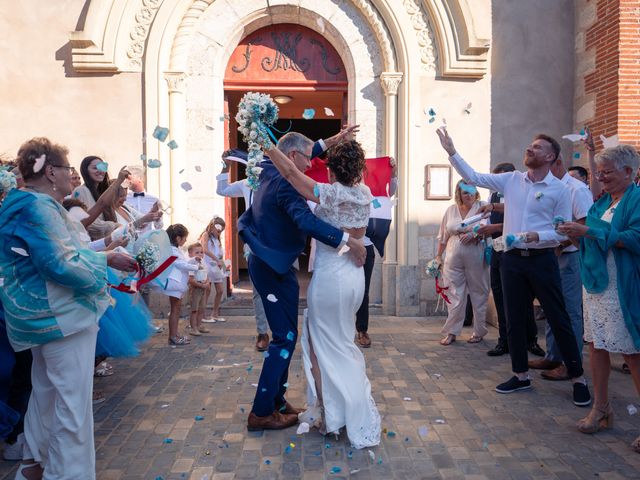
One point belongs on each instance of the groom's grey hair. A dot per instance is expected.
(294, 141)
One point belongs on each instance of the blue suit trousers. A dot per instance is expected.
(279, 294)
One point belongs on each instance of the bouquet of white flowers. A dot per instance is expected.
(148, 256)
(256, 113)
(7, 181)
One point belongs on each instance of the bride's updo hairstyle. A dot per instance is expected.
(346, 162)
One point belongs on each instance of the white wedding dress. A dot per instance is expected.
(335, 294)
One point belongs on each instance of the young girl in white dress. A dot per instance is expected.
(339, 392)
(214, 259)
(177, 283)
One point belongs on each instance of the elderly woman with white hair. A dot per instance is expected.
(610, 260)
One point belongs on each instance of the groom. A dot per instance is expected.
(276, 227)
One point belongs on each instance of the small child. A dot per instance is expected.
(199, 287)
(177, 283)
(214, 258)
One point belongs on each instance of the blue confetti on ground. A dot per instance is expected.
(199, 417)
(168, 440)
(288, 449)
(242, 409)
(249, 368)
(327, 445)
(335, 470)
(267, 462)
(576, 155)
(350, 454)
(391, 434)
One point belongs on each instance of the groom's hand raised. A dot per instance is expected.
(357, 251)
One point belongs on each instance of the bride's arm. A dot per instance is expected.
(305, 186)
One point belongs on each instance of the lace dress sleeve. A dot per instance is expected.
(342, 206)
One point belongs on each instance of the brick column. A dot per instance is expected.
(608, 68)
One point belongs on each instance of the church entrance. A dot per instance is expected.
(302, 72)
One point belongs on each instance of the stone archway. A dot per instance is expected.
(179, 44)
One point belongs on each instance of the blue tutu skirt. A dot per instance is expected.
(125, 325)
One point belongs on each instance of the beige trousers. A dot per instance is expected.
(465, 272)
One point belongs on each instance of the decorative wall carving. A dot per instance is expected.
(424, 33)
(325, 56)
(390, 82)
(382, 35)
(175, 81)
(140, 30)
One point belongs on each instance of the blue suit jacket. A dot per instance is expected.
(278, 222)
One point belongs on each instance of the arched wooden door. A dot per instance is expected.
(301, 70)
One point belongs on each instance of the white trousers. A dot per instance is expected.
(58, 425)
(465, 273)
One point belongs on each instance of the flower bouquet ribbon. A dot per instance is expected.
(153, 253)
(434, 270)
(257, 113)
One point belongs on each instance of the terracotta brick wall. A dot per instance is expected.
(615, 81)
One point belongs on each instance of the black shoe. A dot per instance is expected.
(513, 385)
(536, 349)
(581, 395)
(499, 350)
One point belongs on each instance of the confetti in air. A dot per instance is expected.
(328, 112)
(467, 109)
(160, 133)
(20, 251)
(302, 428)
(308, 113)
(290, 336)
(376, 203)
(198, 168)
(284, 353)
(154, 163)
(272, 298)
(102, 166)
(186, 186)
(143, 157)
(423, 431)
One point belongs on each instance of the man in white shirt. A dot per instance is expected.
(529, 266)
(140, 200)
(569, 263)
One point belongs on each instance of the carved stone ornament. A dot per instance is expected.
(390, 82)
(140, 30)
(424, 33)
(175, 81)
(382, 35)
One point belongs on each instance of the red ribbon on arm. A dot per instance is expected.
(146, 278)
(441, 291)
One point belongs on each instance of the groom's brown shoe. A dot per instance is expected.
(275, 421)
(363, 340)
(289, 409)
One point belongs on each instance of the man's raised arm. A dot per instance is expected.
(491, 181)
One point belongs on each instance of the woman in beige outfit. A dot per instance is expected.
(465, 271)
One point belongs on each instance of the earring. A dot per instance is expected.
(54, 188)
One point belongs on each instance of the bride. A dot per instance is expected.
(339, 392)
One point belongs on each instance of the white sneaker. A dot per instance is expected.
(220, 319)
(209, 320)
(14, 452)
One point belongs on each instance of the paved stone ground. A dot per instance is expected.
(448, 421)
